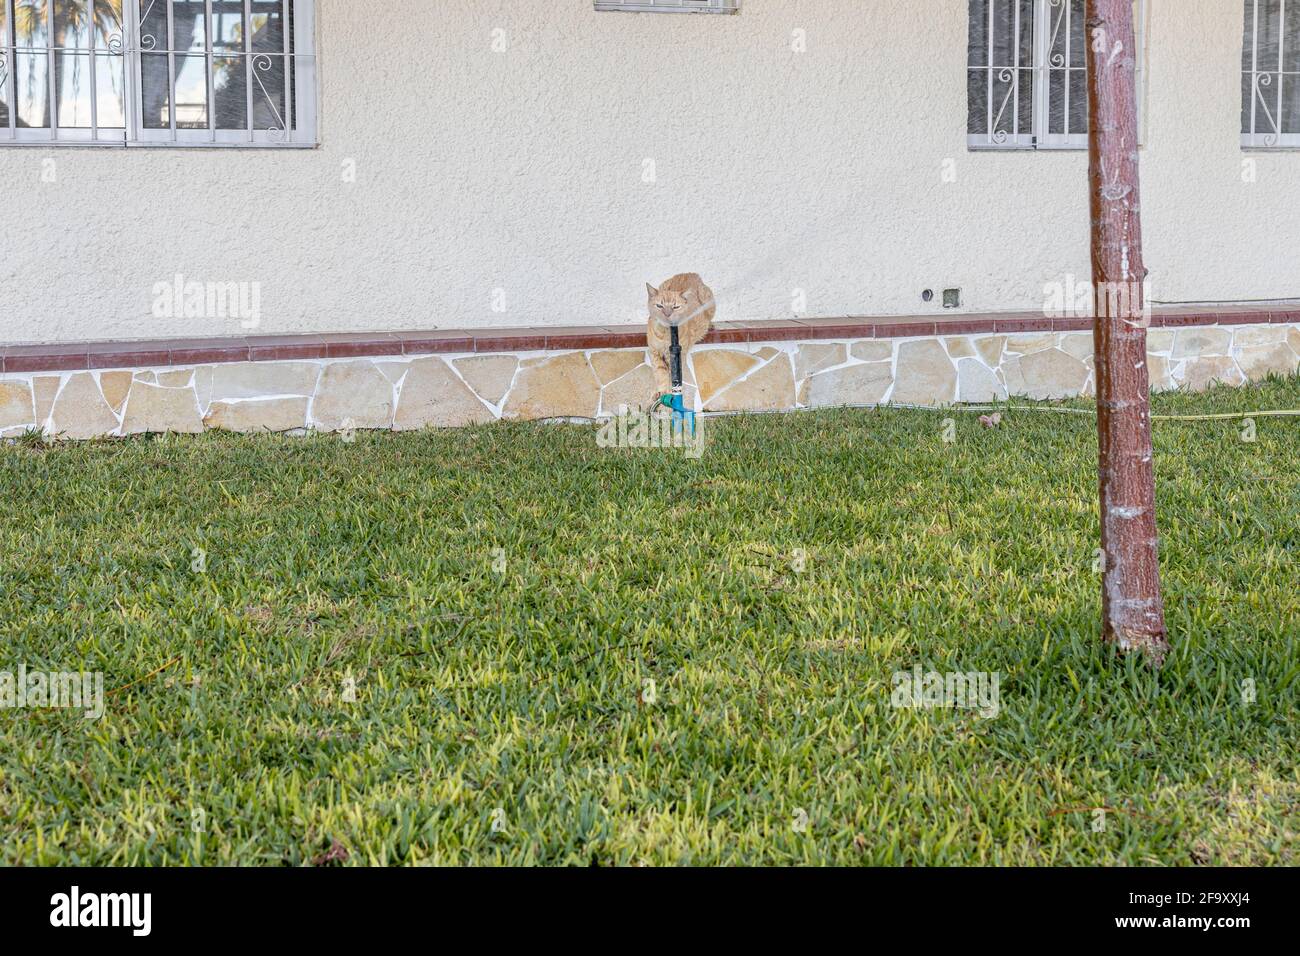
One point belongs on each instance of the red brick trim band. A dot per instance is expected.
(270, 348)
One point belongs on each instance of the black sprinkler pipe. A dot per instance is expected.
(675, 360)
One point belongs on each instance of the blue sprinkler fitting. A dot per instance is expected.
(674, 400)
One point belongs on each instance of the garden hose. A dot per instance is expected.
(1220, 416)
(667, 402)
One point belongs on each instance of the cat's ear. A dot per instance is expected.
(652, 290)
(688, 294)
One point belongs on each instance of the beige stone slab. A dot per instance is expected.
(1031, 342)
(559, 387)
(16, 405)
(925, 375)
(44, 389)
(873, 350)
(489, 375)
(1078, 344)
(817, 357)
(264, 379)
(433, 396)
(1052, 374)
(1201, 342)
(115, 386)
(156, 410)
(1200, 374)
(80, 410)
(634, 390)
(959, 347)
(1009, 372)
(393, 371)
(715, 369)
(769, 388)
(203, 385)
(612, 364)
(1248, 336)
(176, 378)
(977, 383)
(1258, 362)
(1160, 373)
(990, 348)
(351, 395)
(864, 384)
(259, 415)
(1160, 340)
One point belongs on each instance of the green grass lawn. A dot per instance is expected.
(769, 590)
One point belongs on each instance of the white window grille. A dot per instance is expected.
(670, 6)
(158, 72)
(1027, 76)
(1270, 74)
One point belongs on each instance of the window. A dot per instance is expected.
(1270, 74)
(670, 6)
(1027, 78)
(157, 72)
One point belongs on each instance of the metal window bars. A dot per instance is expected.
(187, 73)
(1270, 111)
(1027, 73)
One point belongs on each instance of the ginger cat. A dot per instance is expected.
(686, 302)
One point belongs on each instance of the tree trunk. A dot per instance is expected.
(1133, 615)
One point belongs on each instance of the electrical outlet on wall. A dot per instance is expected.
(951, 298)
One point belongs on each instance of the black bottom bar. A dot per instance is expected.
(360, 906)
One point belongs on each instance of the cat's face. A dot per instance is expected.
(670, 308)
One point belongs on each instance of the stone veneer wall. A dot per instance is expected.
(454, 389)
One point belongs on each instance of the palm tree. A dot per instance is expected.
(71, 20)
(71, 17)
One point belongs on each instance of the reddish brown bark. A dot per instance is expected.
(1133, 615)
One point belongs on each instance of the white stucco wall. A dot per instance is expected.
(522, 171)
